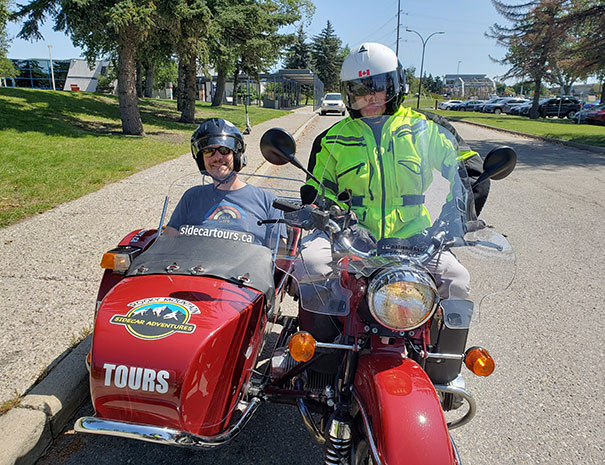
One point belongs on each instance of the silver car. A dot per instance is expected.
(332, 103)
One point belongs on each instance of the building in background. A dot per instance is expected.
(71, 74)
(468, 85)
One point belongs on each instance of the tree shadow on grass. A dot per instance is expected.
(56, 114)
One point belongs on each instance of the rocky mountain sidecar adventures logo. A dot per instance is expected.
(157, 317)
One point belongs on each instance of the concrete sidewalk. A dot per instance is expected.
(50, 273)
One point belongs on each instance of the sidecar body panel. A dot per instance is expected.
(174, 351)
(407, 421)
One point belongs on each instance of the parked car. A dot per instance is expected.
(580, 117)
(559, 106)
(589, 105)
(472, 105)
(512, 103)
(456, 106)
(596, 115)
(445, 105)
(502, 105)
(522, 109)
(490, 101)
(332, 103)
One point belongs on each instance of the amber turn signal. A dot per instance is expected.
(107, 261)
(479, 361)
(302, 346)
(116, 261)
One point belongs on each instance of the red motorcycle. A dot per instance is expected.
(183, 352)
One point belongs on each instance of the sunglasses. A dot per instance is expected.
(366, 86)
(209, 151)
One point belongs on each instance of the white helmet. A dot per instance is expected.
(372, 68)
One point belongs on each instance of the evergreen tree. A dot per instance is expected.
(584, 54)
(299, 54)
(6, 66)
(533, 40)
(327, 58)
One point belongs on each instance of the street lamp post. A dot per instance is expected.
(52, 71)
(458, 72)
(422, 62)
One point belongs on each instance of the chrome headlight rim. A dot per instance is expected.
(415, 277)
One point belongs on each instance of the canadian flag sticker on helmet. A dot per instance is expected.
(364, 73)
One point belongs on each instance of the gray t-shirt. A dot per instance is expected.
(238, 210)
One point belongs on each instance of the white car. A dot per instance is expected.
(448, 103)
(332, 103)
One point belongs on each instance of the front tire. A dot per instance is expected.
(571, 113)
(497, 111)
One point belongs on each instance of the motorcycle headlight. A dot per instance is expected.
(402, 299)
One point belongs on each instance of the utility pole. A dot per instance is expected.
(398, 22)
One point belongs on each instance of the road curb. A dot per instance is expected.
(29, 429)
(590, 148)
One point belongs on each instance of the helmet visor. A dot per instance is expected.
(216, 140)
(383, 87)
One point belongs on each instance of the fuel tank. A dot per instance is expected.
(174, 351)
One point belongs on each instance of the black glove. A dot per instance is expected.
(451, 220)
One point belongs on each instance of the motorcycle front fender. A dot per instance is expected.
(401, 408)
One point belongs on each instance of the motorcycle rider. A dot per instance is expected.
(228, 203)
(373, 86)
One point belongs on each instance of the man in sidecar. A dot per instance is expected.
(228, 203)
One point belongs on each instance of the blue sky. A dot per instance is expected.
(354, 21)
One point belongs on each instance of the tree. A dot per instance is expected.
(298, 55)
(188, 24)
(410, 80)
(6, 66)
(533, 41)
(327, 58)
(586, 53)
(119, 25)
(247, 38)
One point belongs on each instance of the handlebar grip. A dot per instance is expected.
(286, 206)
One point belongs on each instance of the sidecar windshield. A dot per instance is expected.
(205, 231)
(404, 178)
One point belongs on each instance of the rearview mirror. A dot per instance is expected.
(498, 164)
(278, 146)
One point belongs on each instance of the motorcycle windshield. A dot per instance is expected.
(405, 180)
(211, 232)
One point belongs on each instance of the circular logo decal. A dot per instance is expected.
(156, 318)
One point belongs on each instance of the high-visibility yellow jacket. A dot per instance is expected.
(387, 180)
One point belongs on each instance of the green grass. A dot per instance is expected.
(556, 128)
(58, 146)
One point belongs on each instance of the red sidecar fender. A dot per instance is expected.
(404, 411)
(174, 351)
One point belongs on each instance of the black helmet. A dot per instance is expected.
(217, 131)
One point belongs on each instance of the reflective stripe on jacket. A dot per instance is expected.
(387, 181)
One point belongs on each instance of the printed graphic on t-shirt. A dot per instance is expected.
(226, 213)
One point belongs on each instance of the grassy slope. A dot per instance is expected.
(58, 146)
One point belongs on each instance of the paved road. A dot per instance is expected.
(544, 403)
